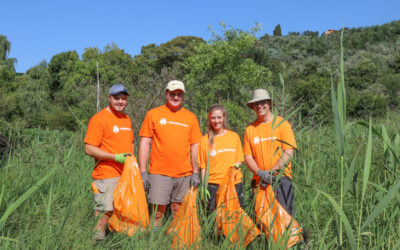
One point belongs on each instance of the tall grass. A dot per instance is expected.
(346, 195)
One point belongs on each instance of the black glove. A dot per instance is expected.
(146, 182)
(195, 180)
(266, 178)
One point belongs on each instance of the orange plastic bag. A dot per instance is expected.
(275, 221)
(231, 218)
(130, 204)
(185, 226)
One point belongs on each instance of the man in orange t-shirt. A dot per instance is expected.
(269, 145)
(173, 133)
(109, 139)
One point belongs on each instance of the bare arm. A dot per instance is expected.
(251, 163)
(98, 153)
(203, 173)
(144, 150)
(287, 155)
(193, 152)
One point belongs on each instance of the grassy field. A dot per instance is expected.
(46, 200)
(346, 178)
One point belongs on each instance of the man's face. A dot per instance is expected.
(118, 102)
(175, 99)
(262, 107)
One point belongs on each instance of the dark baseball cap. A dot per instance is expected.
(118, 88)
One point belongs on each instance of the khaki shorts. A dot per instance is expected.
(165, 189)
(104, 200)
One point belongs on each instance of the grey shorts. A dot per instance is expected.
(165, 189)
(104, 200)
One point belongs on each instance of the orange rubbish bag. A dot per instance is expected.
(231, 218)
(275, 221)
(130, 205)
(185, 226)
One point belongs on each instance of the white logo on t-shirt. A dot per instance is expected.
(213, 153)
(257, 139)
(115, 129)
(163, 121)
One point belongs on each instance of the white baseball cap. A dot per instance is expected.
(174, 85)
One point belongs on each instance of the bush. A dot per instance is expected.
(370, 104)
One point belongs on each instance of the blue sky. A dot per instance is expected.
(39, 29)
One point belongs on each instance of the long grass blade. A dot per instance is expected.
(346, 223)
(338, 122)
(14, 206)
(350, 173)
(367, 162)
(393, 191)
(367, 169)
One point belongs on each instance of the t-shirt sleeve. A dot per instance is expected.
(203, 153)
(195, 133)
(239, 150)
(287, 136)
(95, 132)
(147, 126)
(133, 135)
(246, 145)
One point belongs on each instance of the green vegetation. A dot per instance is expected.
(346, 170)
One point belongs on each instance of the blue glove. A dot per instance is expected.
(266, 177)
(145, 180)
(195, 180)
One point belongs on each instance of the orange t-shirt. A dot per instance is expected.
(227, 150)
(172, 134)
(266, 145)
(112, 133)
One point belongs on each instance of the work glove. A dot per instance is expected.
(266, 177)
(195, 180)
(145, 180)
(121, 158)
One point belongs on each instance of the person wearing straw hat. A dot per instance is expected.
(170, 134)
(269, 145)
(109, 139)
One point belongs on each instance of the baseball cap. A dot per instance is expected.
(118, 88)
(174, 85)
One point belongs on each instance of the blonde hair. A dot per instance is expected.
(211, 135)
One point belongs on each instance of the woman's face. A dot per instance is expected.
(216, 119)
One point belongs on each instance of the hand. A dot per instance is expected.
(121, 158)
(266, 177)
(195, 180)
(145, 180)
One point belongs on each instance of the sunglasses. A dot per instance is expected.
(262, 102)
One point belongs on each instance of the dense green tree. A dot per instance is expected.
(60, 68)
(362, 75)
(278, 30)
(224, 71)
(9, 103)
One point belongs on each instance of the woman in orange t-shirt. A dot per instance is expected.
(219, 149)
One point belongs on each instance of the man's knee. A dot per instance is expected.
(175, 207)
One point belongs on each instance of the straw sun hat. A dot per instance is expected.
(258, 95)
